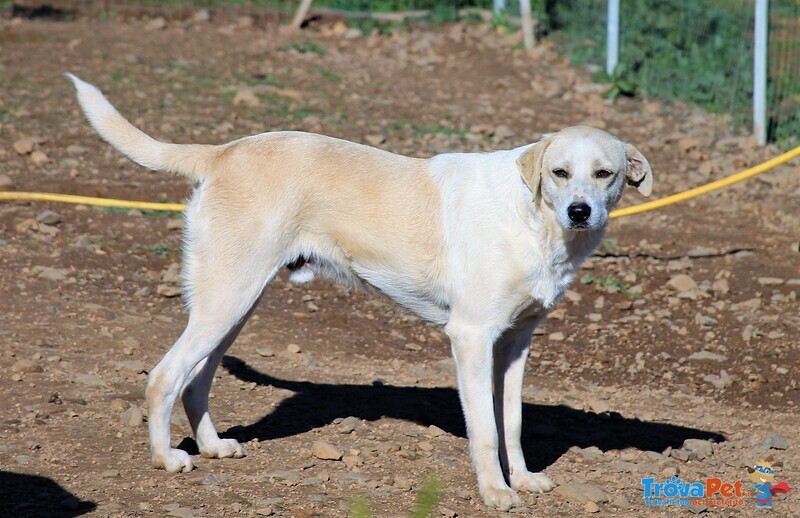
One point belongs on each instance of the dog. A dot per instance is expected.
(483, 244)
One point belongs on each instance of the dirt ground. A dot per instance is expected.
(683, 326)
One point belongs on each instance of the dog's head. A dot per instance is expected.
(579, 173)
(763, 471)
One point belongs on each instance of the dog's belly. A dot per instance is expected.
(414, 291)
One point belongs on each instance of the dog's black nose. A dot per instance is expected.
(579, 212)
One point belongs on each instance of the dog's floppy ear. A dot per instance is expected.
(750, 470)
(638, 172)
(530, 164)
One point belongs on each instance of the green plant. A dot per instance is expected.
(428, 497)
(305, 47)
(159, 249)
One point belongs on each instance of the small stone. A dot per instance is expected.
(133, 417)
(246, 97)
(413, 347)
(775, 442)
(375, 140)
(209, 480)
(425, 446)
(293, 348)
(770, 281)
(682, 455)
(6, 183)
(50, 274)
(582, 492)
(27, 224)
(700, 447)
(682, 282)
(109, 473)
(90, 380)
(556, 337)
(39, 157)
(447, 512)
(23, 459)
(325, 451)
(435, 431)
(708, 355)
(349, 424)
(720, 381)
(591, 507)
(156, 24)
(175, 224)
(169, 291)
(402, 483)
(26, 367)
(352, 460)
(48, 217)
(24, 146)
(266, 352)
(573, 296)
(721, 287)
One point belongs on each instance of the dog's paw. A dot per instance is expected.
(174, 461)
(533, 482)
(500, 498)
(221, 449)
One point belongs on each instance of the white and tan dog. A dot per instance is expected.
(483, 244)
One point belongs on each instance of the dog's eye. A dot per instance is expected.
(603, 173)
(560, 173)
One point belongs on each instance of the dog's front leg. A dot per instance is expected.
(511, 353)
(472, 351)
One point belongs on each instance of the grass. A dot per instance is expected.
(428, 496)
(305, 47)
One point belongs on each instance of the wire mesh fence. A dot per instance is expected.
(698, 51)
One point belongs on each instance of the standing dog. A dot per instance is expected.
(483, 244)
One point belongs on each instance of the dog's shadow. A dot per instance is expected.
(548, 431)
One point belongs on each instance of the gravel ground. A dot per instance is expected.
(674, 354)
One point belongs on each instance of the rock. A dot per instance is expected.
(132, 367)
(591, 507)
(48, 217)
(166, 290)
(349, 424)
(246, 97)
(573, 296)
(721, 287)
(682, 282)
(23, 459)
(133, 416)
(775, 442)
(435, 431)
(413, 347)
(325, 451)
(24, 146)
(6, 183)
(293, 348)
(700, 447)
(175, 224)
(209, 480)
(352, 460)
(402, 483)
(582, 492)
(90, 380)
(26, 367)
(39, 157)
(375, 140)
(266, 352)
(109, 473)
(556, 337)
(720, 381)
(76, 150)
(50, 274)
(770, 281)
(27, 224)
(708, 355)
(156, 24)
(502, 132)
(201, 16)
(682, 455)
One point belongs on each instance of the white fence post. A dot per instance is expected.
(499, 5)
(612, 38)
(527, 23)
(760, 71)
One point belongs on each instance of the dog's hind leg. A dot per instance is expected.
(226, 276)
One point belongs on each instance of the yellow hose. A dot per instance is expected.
(703, 189)
(619, 213)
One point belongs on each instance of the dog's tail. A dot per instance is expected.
(190, 160)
